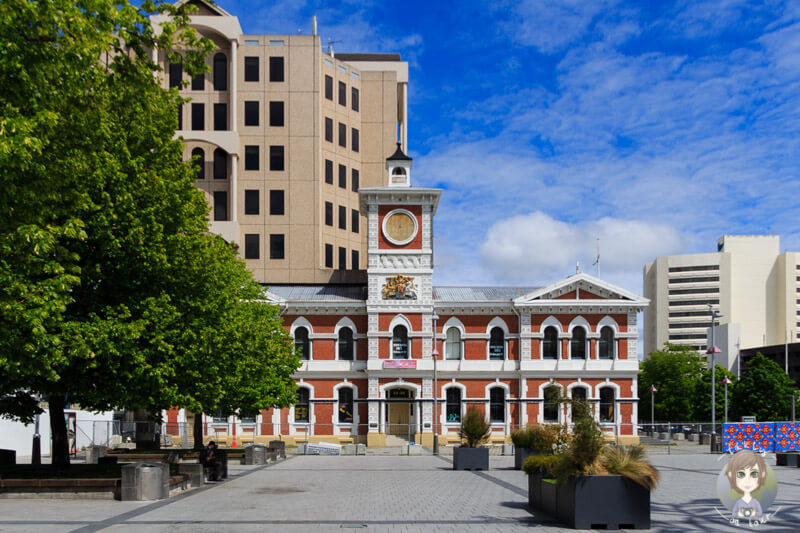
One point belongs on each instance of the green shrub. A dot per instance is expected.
(545, 438)
(540, 463)
(474, 428)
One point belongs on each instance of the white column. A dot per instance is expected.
(234, 187)
(232, 92)
(404, 123)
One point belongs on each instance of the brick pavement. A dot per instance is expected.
(385, 493)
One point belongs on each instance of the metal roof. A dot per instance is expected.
(322, 293)
(479, 294)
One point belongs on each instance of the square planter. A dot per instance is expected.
(593, 502)
(520, 454)
(470, 458)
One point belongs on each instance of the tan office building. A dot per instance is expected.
(286, 133)
(748, 280)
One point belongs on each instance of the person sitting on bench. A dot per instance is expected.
(210, 460)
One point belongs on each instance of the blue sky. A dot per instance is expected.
(653, 126)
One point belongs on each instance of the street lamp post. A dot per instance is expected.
(36, 452)
(713, 350)
(653, 391)
(726, 382)
(435, 354)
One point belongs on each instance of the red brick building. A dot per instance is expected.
(368, 371)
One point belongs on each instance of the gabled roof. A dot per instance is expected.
(212, 6)
(600, 291)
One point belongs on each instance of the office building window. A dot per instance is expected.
(400, 347)
(329, 256)
(199, 82)
(342, 218)
(276, 202)
(346, 397)
(551, 403)
(453, 406)
(497, 344)
(251, 113)
(342, 258)
(354, 262)
(497, 404)
(328, 214)
(220, 205)
(354, 184)
(276, 114)
(578, 343)
(301, 408)
(342, 176)
(606, 404)
(342, 93)
(220, 72)
(329, 171)
(606, 343)
(342, 135)
(354, 141)
(180, 116)
(220, 164)
(198, 117)
(452, 346)
(345, 344)
(251, 246)
(220, 117)
(302, 345)
(251, 202)
(250, 69)
(329, 129)
(175, 75)
(550, 343)
(354, 99)
(275, 69)
(251, 157)
(354, 219)
(276, 244)
(328, 87)
(199, 162)
(578, 395)
(276, 158)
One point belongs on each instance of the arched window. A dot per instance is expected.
(550, 406)
(302, 405)
(400, 343)
(199, 162)
(497, 344)
(497, 404)
(453, 408)
(220, 72)
(452, 347)
(550, 343)
(346, 405)
(220, 164)
(578, 343)
(606, 343)
(302, 346)
(399, 175)
(578, 393)
(346, 344)
(606, 404)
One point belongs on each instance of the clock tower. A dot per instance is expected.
(400, 286)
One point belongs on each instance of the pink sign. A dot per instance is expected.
(399, 363)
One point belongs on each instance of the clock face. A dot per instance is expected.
(400, 227)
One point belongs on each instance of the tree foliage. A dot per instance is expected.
(765, 391)
(111, 289)
(675, 372)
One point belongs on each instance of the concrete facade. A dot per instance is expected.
(297, 132)
(748, 280)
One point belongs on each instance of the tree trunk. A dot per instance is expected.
(198, 431)
(58, 429)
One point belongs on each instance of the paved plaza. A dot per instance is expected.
(387, 493)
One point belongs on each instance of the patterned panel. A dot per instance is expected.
(755, 436)
(787, 436)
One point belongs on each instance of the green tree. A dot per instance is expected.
(701, 398)
(765, 391)
(674, 371)
(111, 290)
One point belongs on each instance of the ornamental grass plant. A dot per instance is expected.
(543, 438)
(474, 429)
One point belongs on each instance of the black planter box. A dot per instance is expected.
(592, 502)
(520, 454)
(787, 459)
(470, 458)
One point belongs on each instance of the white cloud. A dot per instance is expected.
(537, 248)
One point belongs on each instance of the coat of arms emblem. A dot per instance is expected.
(399, 287)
